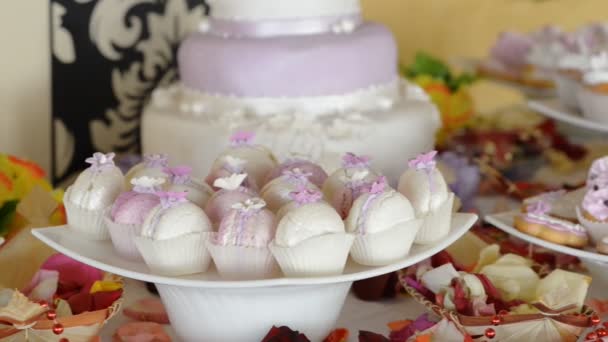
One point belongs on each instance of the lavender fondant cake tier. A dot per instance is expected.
(289, 66)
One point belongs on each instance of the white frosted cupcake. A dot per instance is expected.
(277, 192)
(593, 95)
(230, 192)
(426, 189)
(240, 248)
(310, 239)
(343, 187)
(384, 224)
(173, 237)
(127, 214)
(244, 157)
(152, 166)
(94, 190)
(570, 69)
(180, 180)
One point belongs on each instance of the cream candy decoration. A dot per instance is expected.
(174, 217)
(384, 225)
(174, 235)
(152, 166)
(277, 192)
(310, 238)
(181, 181)
(98, 186)
(378, 209)
(310, 219)
(258, 160)
(423, 184)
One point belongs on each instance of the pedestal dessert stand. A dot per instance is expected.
(596, 263)
(203, 307)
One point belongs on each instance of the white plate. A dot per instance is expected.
(504, 222)
(554, 109)
(101, 254)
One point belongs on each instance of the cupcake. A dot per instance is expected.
(424, 186)
(127, 214)
(244, 157)
(384, 224)
(598, 174)
(152, 166)
(231, 191)
(602, 245)
(344, 185)
(240, 247)
(94, 190)
(593, 94)
(173, 237)
(180, 180)
(593, 213)
(310, 240)
(569, 72)
(317, 174)
(277, 193)
(549, 44)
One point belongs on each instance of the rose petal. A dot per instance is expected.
(42, 286)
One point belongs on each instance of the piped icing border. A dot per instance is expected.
(375, 98)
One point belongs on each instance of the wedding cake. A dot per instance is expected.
(311, 78)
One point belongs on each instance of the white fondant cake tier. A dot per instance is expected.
(391, 135)
(281, 9)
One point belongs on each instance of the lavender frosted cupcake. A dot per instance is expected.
(92, 193)
(244, 157)
(310, 239)
(173, 237)
(593, 94)
(593, 213)
(343, 187)
(317, 174)
(152, 166)
(240, 248)
(426, 189)
(127, 214)
(384, 224)
(277, 193)
(231, 191)
(180, 180)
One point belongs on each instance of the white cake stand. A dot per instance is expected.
(203, 307)
(554, 109)
(596, 263)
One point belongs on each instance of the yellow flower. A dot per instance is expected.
(105, 286)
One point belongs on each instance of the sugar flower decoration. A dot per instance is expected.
(378, 186)
(100, 162)
(147, 184)
(539, 208)
(425, 161)
(352, 161)
(178, 174)
(296, 176)
(172, 199)
(242, 138)
(304, 195)
(250, 205)
(231, 182)
(156, 160)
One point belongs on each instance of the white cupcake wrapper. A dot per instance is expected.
(323, 255)
(596, 230)
(593, 105)
(123, 236)
(386, 247)
(242, 263)
(178, 256)
(567, 88)
(436, 224)
(89, 223)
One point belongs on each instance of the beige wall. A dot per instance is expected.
(25, 79)
(443, 27)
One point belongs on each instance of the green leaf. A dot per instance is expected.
(7, 213)
(425, 64)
